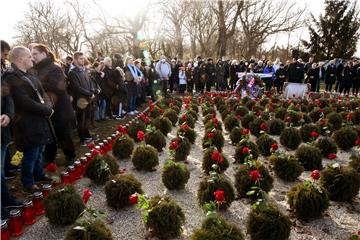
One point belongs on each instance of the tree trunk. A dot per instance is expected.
(179, 42)
(193, 46)
(222, 38)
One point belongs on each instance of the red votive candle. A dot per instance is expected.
(15, 223)
(77, 165)
(83, 161)
(65, 178)
(88, 157)
(38, 203)
(72, 173)
(5, 233)
(46, 188)
(28, 212)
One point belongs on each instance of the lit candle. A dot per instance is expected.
(72, 173)
(5, 233)
(15, 223)
(88, 157)
(38, 203)
(77, 165)
(46, 188)
(28, 212)
(65, 178)
(83, 161)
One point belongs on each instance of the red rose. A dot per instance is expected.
(86, 195)
(315, 174)
(219, 196)
(174, 145)
(211, 135)
(215, 121)
(245, 131)
(51, 167)
(254, 175)
(314, 134)
(332, 156)
(183, 117)
(133, 199)
(245, 150)
(263, 126)
(91, 146)
(141, 135)
(216, 156)
(357, 142)
(274, 147)
(349, 117)
(122, 129)
(185, 127)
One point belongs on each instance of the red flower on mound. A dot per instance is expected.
(183, 117)
(332, 156)
(274, 147)
(211, 135)
(215, 121)
(314, 134)
(51, 167)
(357, 142)
(86, 195)
(245, 150)
(141, 135)
(174, 145)
(216, 156)
(254, 175)
(263, 126)
(245, 131)
(315, 174)
(219, 196)
(185, 127)
(133, 199)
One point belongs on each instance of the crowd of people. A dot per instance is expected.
(43, 98)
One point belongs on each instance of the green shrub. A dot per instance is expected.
(336, 120)
(241, 110)
(231, 122)
(286, 167)
(326, 145)
(163, 124)
(63, 205)
(119, 189)
(134, 128)
(355, 163)
(306, 131)
(310, 157)
(94, 230)
(188, 119)
(307, 201)
(268, 223)
(101, 169)
(171, 115)
(275, 126)
(281, 113)
(145, 157)
(183, 150)
(166, 218)
(155, 139)
(207, 188)
(247, 119)
(208, 162)
(264, 143)
(123, 147)
(210, 126)
(290, 138)
(193, 114)
(240, 156)
(236, 135)
(217, 141)
(175, 175)
(345, 137)
(356, 117)
(255, 126)
(216, 228)
(189, 133)
(342, 183)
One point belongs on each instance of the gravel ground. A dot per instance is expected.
(337, 223)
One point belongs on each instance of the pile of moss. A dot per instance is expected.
(183, 150)
(208, 161)
(134, 128)
(188, 132)
(231, 122)
(236, 135)
(239, 151)
(156, 139)
(123, 147)
(264, 143)
(163, 124)
(327, 146)
(94, 230)
(145, 157)
(286, 167)
(171, 115)
(175, 175)
(290, 138)
(217, 141)
(101, 169)
(275, 126)
(345, 137)
(309, 156)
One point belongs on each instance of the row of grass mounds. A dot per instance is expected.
(181, 147)
(252, 174)
(287, 167)
(63, 205)
(119, 188)
(155, 138)
(341, 182)
(308, 200)
(215, 138)
(145, 157)
(212, 156)
(345, 137)
(163, 124)
(269, 223)
(123, 147)
(94, 230)
(236, 135)
(165, 219)
(188, 119)
(134, 128)
(290, 138)
(209, 185)
(309, 156)
(175, 175)
(244, 149)
(264, 143)
(216, 228)
(187, 132)
(101, 169)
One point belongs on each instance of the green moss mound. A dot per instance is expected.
(286, 167)
(310, 157)
(175, 175)
(94, 230)
(156, 139)
(208, 162)
(275, 126)
(188, 119)
(217, 141)
(247, 119)
(184, 149)
(123, 147)
(189, 133)
(239, 154)
(145, 157)
(290, 138)
(306, 131)
(264, 143)
(171, 115)
(326, 145)
(336, 120)
(231, 122)
(163, 124)
(134, 128)
(101, 169)
(345, 137)
(236, 135)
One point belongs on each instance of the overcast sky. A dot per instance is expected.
(12, 11)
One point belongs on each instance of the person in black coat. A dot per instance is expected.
(356, 82)
(31, 125)
(174, 77)
(339, 75)
(295, 72)
(313, 76)
(81, 89)
(210, 73)
(330, 76)
(280, 78)
(52, 79)
(234, 69)
(347, 78)
(220, 77)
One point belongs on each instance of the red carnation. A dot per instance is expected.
(217, 157)
(91, 146)
(174, 145)
(263, 126)
(51, 167)
(245, 150)
(332, 156)
(219, 196)
(133, 199)
(215, 121)
(183, 117)
(86, 195)
(211, 135)
(122, 129)
(245, 131)
(357, 142)
(141, 135)
(254, 175)
(315, 174)
(274, 147)
(314, 134)
(185, 127)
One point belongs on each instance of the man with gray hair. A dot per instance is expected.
(163, 69)
(31, 124)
